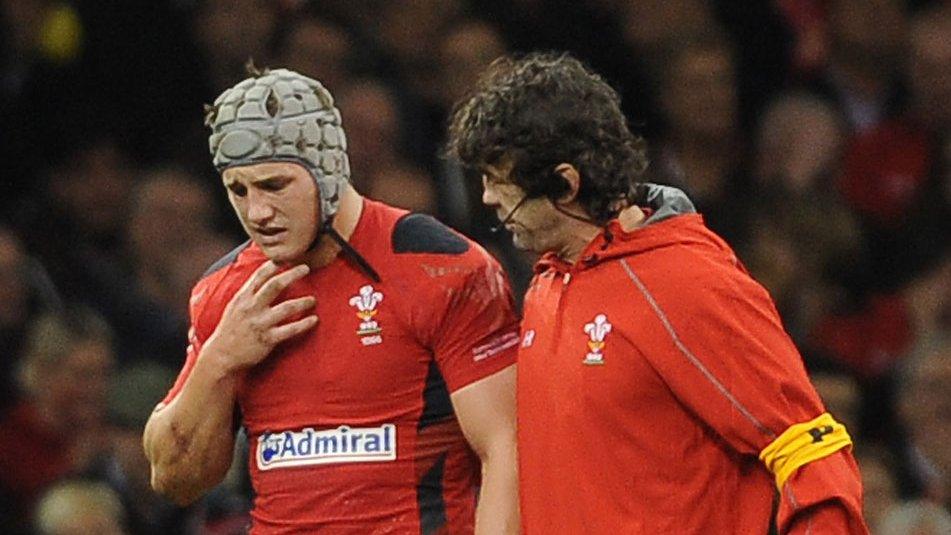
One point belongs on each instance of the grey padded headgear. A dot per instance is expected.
(303, 126)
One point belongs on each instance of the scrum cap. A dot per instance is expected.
(282, 116)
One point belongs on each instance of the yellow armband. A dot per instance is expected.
(803, 443)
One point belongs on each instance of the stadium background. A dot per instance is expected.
(813, 135)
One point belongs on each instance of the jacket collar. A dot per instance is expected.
(662, 204)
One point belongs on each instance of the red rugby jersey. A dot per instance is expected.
(350, 426)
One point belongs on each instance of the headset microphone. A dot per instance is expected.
(496, 228)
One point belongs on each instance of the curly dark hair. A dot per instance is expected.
(543, 109)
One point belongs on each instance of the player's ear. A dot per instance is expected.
(568, 182)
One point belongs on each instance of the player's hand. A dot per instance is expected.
(252, 324)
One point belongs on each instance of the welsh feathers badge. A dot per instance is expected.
(366, 302)
(596, 331)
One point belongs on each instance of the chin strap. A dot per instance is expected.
(327, 228)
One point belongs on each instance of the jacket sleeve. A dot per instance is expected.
(714, 336)
(823, 496)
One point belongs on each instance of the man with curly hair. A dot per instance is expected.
(657, 391)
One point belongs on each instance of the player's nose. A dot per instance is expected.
(259, 208)
(489, 197)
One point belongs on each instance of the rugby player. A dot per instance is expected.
(367, 352)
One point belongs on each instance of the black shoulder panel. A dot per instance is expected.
(420, 233)
(227, 259)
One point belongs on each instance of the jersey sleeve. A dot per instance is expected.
(716, 339)
(473, 330)
(196, 339)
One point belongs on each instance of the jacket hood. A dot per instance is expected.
(671, 220)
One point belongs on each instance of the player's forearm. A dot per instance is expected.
(498, 501)
(190, 442)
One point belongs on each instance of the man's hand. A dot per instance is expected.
(251, 327)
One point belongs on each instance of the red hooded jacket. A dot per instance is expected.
(653, 374)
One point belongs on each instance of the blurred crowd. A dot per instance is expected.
(812, 134)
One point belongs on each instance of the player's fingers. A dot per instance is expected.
(276, 284)
(286, 309)
(289, 330)
(264, 272)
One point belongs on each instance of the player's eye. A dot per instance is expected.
(238, 189)
(272, 185)
(495, 179)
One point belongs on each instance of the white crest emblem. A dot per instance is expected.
(366, 303)
(596, 330)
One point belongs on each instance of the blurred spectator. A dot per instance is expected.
(763, 51)
(866, 44)
(915, 518)
(25, 292)
(839, 393)
(807, 20)
(895, 179)
(132, 396)
(88, 196)
(404, 188)
(371, 113)
(755, 31)
(886, 169)
(407, 32)
(372, 116)
(94, 193)
(925, 403)
(80, 508)
(701, 150)
(356, 14)
(799, 144)
(14, 309)
(316, 47)
(930, 63)
(895, 175)
(871, 341)
(407, 35)
(60, 426)
(466, 49)
(878, 487)
(231, 32)
(170, 220)
(650, 26)
(800, 234)
(929, 304)
(167, 243)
